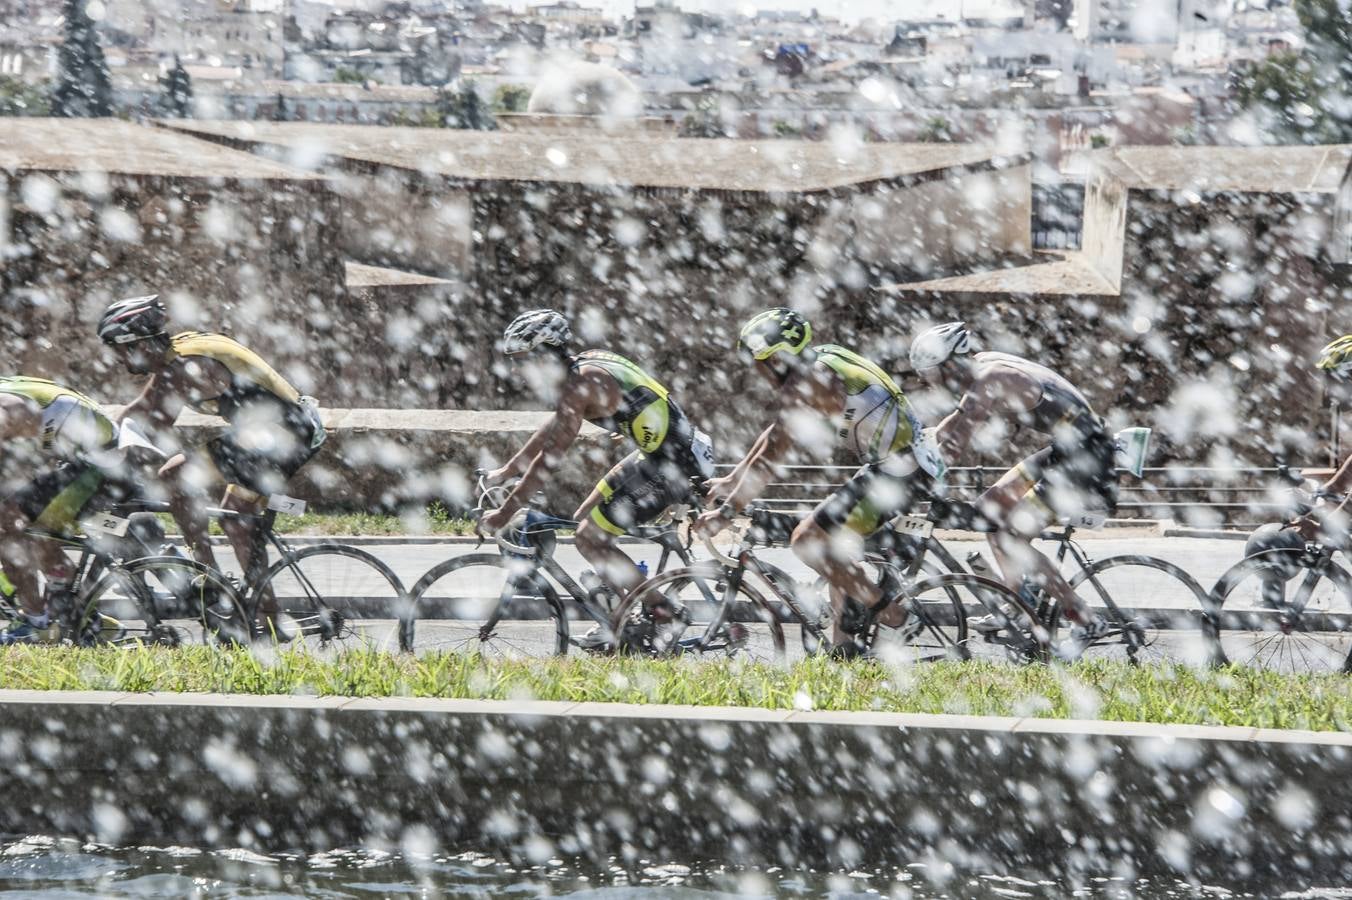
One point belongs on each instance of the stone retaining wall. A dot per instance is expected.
(1041, 798)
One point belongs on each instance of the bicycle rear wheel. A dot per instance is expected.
(1276, 611)
(334, 592)
(936, 626)
(485, 603)
(160, 600)
(692, 610)
(1154, 607)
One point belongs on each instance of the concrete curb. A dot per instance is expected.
(753, 786)
(1206, 533)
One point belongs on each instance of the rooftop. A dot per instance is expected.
(598, 158)
(1259, 170)
(123, 148)
(364, 276)
(1072, 275)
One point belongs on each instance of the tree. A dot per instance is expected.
(83, 86)
(937, 130)
(345, 75)
(19, 99)
(511, 98)
(177, 98)
(704, 121)
(460, 106)
(1306, 97)
(1287, 93)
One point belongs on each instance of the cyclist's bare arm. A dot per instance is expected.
(814, 395)
(163, 398)
(1341, 482)
(721, 488)
(997, 393)
(585, 395)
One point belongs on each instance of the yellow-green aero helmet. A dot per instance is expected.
(769, 332)
(1336, 358)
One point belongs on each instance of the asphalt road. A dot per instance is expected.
(1173, 604)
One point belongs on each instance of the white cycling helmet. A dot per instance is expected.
(536, 328)
(934, 347)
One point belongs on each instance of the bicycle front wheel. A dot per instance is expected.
(694, 610)
(160, 600)
(959, 616)
(1272, 611)
(1155, 610)
(485, 603)
(333, 592)
(935, 625)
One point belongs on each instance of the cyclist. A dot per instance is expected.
(827, 395)
(271, 429)
(74, 432)
(615, 394)
(1074, 474)
(1335, 361)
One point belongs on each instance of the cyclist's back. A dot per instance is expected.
(1059, 402)
(877, 421)
(648, 415)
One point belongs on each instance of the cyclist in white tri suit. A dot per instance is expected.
(1075, 474)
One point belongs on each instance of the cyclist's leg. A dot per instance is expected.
(634, 492)
(188, 476)
(831, 540)
(1023, 514)
(23, 556)
(251, 474)
(52, 502)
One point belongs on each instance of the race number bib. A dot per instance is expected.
(915, 526)
(703, 448)
(106, 524)
(288, 505)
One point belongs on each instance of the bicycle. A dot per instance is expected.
(1137, 632)
(114, 601)
(472, 597)
(322, 592)
(1285, 609)
(935, 627)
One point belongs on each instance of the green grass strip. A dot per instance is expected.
(1087, 690)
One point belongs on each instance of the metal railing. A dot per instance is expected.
(1233, 497)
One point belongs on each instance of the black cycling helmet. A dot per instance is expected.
(133, 319)
(536, 328)
(774, 331)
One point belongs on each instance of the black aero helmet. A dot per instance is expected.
(132, 319)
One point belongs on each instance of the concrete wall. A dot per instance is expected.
(386, 459)
(1066, 800)
(966, 221)
(395, 219)
(259, 259)
(392, 460)
(1105, 220)
(1239, 301)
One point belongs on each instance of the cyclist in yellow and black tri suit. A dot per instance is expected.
(829, 387)
(619, 396)
(272, 430)
(73, 432)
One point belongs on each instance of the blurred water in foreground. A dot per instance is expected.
(55, 868)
